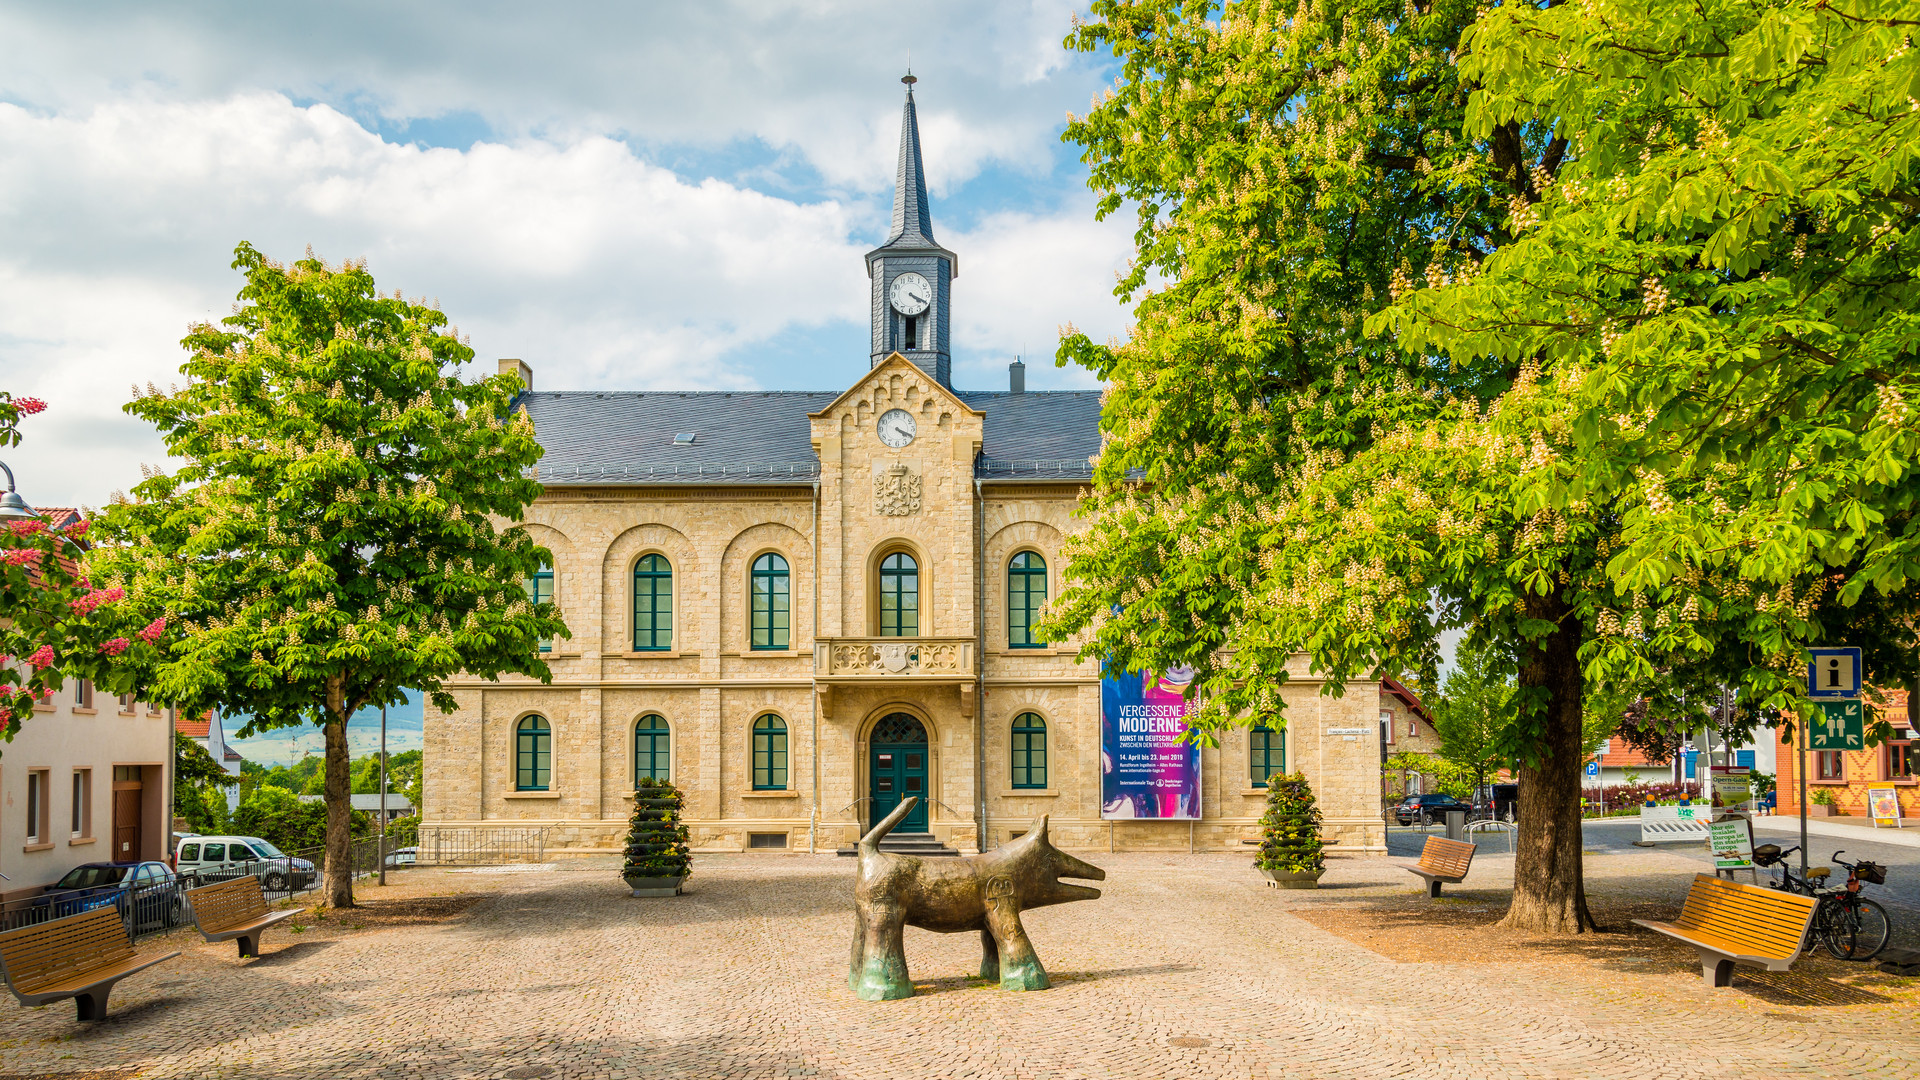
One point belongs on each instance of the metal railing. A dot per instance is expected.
(675, 472)
(480, 846)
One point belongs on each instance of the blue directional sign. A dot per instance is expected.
(1833, 673)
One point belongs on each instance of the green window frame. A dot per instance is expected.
(652, 749)
(769, 754)
(1029, 751)
(652, 604)
(540, 591)
(1266, 754)
(772, 615)
(533, 754)
(1026, 595)
(899, 596)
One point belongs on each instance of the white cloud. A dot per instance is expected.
(601, 270)
(1023, 276)
(805, 75)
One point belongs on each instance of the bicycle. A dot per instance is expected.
(1848, 925)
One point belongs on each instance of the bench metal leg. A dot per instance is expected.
(1433, 888)
(249, 946)
(1717, 968)
(92, 1005)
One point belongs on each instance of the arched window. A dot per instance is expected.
(1026, 595)
(769, 754)
(652, 744)
(533, 754)
(1266, 754)
(772, 602)
(1029, 751)
(652, 604)
(540, 591)
(899, 596)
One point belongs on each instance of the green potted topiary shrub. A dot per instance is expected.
(1290, 850)
(657, 862)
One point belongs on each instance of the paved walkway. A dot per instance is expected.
(1187, 968)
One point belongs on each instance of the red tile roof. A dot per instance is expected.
(1396, 689)
(192, 729)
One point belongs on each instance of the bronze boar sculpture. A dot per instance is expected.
(951, 896)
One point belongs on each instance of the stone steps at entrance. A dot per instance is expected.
(924, 845)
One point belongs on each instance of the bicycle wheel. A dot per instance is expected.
(1857, 930)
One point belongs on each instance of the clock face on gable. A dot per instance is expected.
(910, 293)
(895, 428)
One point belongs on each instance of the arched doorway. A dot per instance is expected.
(897, 768)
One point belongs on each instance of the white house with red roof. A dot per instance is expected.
(210, 732)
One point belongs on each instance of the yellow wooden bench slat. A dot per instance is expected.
(79, 956)
(1442, 860)
(1730, 923)
(234, 911)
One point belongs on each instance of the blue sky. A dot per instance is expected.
(639, 196)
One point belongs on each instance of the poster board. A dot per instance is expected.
(1147, 770)
(1732, 789)
(1883, 805)
(1731, 843)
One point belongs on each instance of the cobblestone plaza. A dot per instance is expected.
(1187, 967)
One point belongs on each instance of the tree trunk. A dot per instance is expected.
(339, 787)
(1549, 891)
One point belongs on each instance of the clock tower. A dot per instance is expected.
(911, 275)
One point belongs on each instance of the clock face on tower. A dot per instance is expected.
(910, 294)
(895, 428)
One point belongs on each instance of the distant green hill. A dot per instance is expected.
(285, 746)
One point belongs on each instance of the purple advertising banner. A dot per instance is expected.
(1146, 771)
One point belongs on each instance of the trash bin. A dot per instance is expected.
(1456, 824)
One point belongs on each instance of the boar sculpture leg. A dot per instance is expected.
(952, 896)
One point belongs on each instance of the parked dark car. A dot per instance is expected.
(1433, 807)
(1506, 801)
(147, 889)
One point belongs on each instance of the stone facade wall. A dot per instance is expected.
(711, 688)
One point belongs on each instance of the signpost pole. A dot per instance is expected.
(1803, 800)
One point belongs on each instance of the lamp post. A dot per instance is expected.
(12, 506)
(383, 796)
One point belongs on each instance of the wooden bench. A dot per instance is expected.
(78, 957)
(234, 909)
(1442, 860)
(1731, 923)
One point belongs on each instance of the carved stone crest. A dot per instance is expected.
(896, 492)
(894, 657)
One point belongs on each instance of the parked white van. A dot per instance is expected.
(219, 858)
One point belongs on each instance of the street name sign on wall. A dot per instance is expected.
(1833, 673)
(1840, 726)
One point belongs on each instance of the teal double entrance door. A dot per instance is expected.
(896, 769)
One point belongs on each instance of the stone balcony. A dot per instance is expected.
(873, 661)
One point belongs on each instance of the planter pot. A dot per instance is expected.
(1294, 879)
(1817, 810)
(654, 886)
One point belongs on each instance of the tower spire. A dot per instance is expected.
(911, 218)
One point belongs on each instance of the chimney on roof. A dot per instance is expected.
(1017, 376)
(520, 368)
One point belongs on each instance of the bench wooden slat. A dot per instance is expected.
(50, 952)
(234, 910)
(1441, 860)
(1729, 923)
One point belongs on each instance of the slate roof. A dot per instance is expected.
(764, 437)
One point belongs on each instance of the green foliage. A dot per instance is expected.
(403, 775)
(1822, 797)
(281, 818)
(53, 619)
(1449, 777)
(1290, 841)
(1471, 713)
(1763, 782)
(199, 786)
(334, 535)
(1718, 286)
(656, 839)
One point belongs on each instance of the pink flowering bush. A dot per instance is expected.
(154, 629)
(114, 647)
(30, 405)
(42, 657)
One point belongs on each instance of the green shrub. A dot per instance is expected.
(1291, 844)
(656, 840)
(1822, 797)
(279, 817)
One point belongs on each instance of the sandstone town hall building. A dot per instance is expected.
(801, 607)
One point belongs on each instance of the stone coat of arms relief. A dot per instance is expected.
(896, 491)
